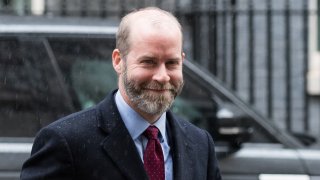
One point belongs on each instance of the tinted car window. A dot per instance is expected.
(87, 68)
(42, 80)
(45, 78)
(30, 93)
(205, 108)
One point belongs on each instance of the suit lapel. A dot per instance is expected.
(118, 143)
(181, 148)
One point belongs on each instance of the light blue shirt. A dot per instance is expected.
(136, 125)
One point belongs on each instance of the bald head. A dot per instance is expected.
(152, 17)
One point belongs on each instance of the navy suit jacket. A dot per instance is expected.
(95, 144)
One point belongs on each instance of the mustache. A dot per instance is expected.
(158, 86)
(175, 89)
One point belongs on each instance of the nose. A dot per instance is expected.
(161, 75)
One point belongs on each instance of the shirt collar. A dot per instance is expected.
(136, 124)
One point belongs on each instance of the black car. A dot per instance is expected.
(52, 67)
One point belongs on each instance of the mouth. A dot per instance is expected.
(158, 90)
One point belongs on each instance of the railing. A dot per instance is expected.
(257, 48)
(246, 53)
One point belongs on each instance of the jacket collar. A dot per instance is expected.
(120, 147)
(118, 143)
(182, 148)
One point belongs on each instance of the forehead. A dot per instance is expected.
(153, 15)
(156, 42)
(153, 20)
(154, 31)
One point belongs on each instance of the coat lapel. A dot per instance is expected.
(118, 143)
(120, 147)
(181, 148)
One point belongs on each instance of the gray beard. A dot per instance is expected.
(147, 102)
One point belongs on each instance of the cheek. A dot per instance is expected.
(176, 76)
(139, 75)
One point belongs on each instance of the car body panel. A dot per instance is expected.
(254, 158)
(311, 160)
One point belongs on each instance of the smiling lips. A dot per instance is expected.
(158, 90)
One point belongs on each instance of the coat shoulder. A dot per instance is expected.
(193, 132)
(79, 121)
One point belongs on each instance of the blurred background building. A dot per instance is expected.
(266, 51)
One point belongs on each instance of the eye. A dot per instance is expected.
(148, 62)
(173, 63)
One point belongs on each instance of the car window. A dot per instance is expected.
(45, 78)
(207, 109)
(30, 93)
(194, 105)
(87, 68)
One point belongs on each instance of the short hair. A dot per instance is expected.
(123, 34)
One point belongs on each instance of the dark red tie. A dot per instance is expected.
(153, 156)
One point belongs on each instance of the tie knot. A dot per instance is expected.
(151, 132)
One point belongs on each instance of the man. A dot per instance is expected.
(131, 134)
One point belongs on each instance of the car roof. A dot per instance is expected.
(57, 25)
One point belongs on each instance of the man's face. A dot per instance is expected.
(152, 71)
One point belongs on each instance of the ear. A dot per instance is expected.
(116, 60)
(183, 55)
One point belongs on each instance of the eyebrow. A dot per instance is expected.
(147, 57)
(175, 59)
(154, 58)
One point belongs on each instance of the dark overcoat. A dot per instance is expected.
(95, 144)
